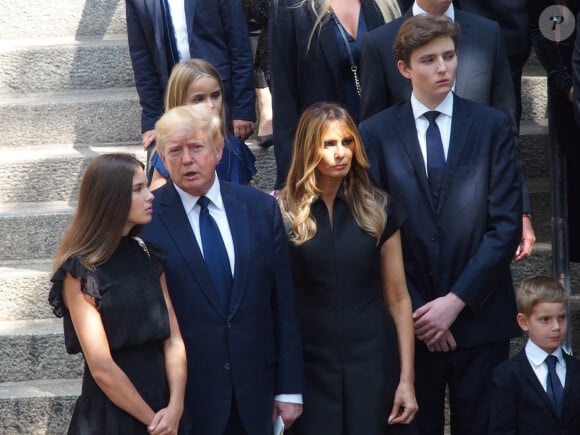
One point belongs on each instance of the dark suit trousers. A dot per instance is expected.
(235, 425)
(467, 374)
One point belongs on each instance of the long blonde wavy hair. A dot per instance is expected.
(365, 202)
(389, 9)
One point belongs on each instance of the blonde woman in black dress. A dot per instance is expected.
(110, 289)
(350, 284)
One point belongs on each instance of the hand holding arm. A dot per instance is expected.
(147, 137)
(434, 319)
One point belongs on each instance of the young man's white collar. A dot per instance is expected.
(445, 106)
(450, 12)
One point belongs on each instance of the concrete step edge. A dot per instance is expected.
(18, 209)
(14, 45)
(40, 388)
(67, 97)
(35, 327)
(27, 153)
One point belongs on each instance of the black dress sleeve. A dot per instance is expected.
(396, 215)
(77, 270)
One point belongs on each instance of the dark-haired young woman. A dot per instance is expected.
(110, 289)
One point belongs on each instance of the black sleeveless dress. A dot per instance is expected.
(129, 297)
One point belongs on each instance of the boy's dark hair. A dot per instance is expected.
(538, 289)
(420, 30)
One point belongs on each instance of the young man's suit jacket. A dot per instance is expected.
(521, 406)
(302, 76)
(467, 243)
(254, 350)
(217, 33)
(483, 72)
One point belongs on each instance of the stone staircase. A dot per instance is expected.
(66, 95)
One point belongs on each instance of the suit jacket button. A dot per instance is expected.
(433, 237)
(227, 366)
(229, 325)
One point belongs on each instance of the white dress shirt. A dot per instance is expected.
(177, 11)
(443, 121)
(218, 213)
(450, 12)
(537, 358)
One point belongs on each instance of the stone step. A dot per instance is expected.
(24, 287)
(80, 117)
(66, 18)
(34, 349)
(42, 407)
(534, 98)
(61, 64)
(32, 230)
(534, 148)
(52, 173)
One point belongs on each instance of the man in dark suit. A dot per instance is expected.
(162, 33)
(462, 190)
(531, 395)
(483, 75)
(239, 324)
(512, 18)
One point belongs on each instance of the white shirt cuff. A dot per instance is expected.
(289, 398)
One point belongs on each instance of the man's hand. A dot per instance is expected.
(524, 249)
(288, 411)
(243, 129)
(148, 137)
(434, 319)
(445, 344)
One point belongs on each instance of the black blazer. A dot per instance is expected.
(301, 77)
(217, 34)
(467, 243)
(483, 72)
(254, 350)
(520, 405)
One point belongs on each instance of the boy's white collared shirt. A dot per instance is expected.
(537, 359)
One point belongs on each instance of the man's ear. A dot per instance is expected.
(219, 150)
(522, 321)
(403, 69)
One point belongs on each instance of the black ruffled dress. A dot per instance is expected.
(129, 297)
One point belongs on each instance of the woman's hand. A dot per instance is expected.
(405, 404)
(165, 422)
(147, 137)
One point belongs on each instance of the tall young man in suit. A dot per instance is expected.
(538, 390)
(483, 75)
(228, 271)
(452, 164)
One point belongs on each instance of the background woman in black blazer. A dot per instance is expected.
(310, 42)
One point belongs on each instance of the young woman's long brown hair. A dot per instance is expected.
(366, 203)
(103, 207)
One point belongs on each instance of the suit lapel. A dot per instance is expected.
(189, 17)
(534, 382)
(328, 44)
(175, 220)
(464, 63)
(372, 14)
(407, 131)
(237, 214)
(461, 122)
